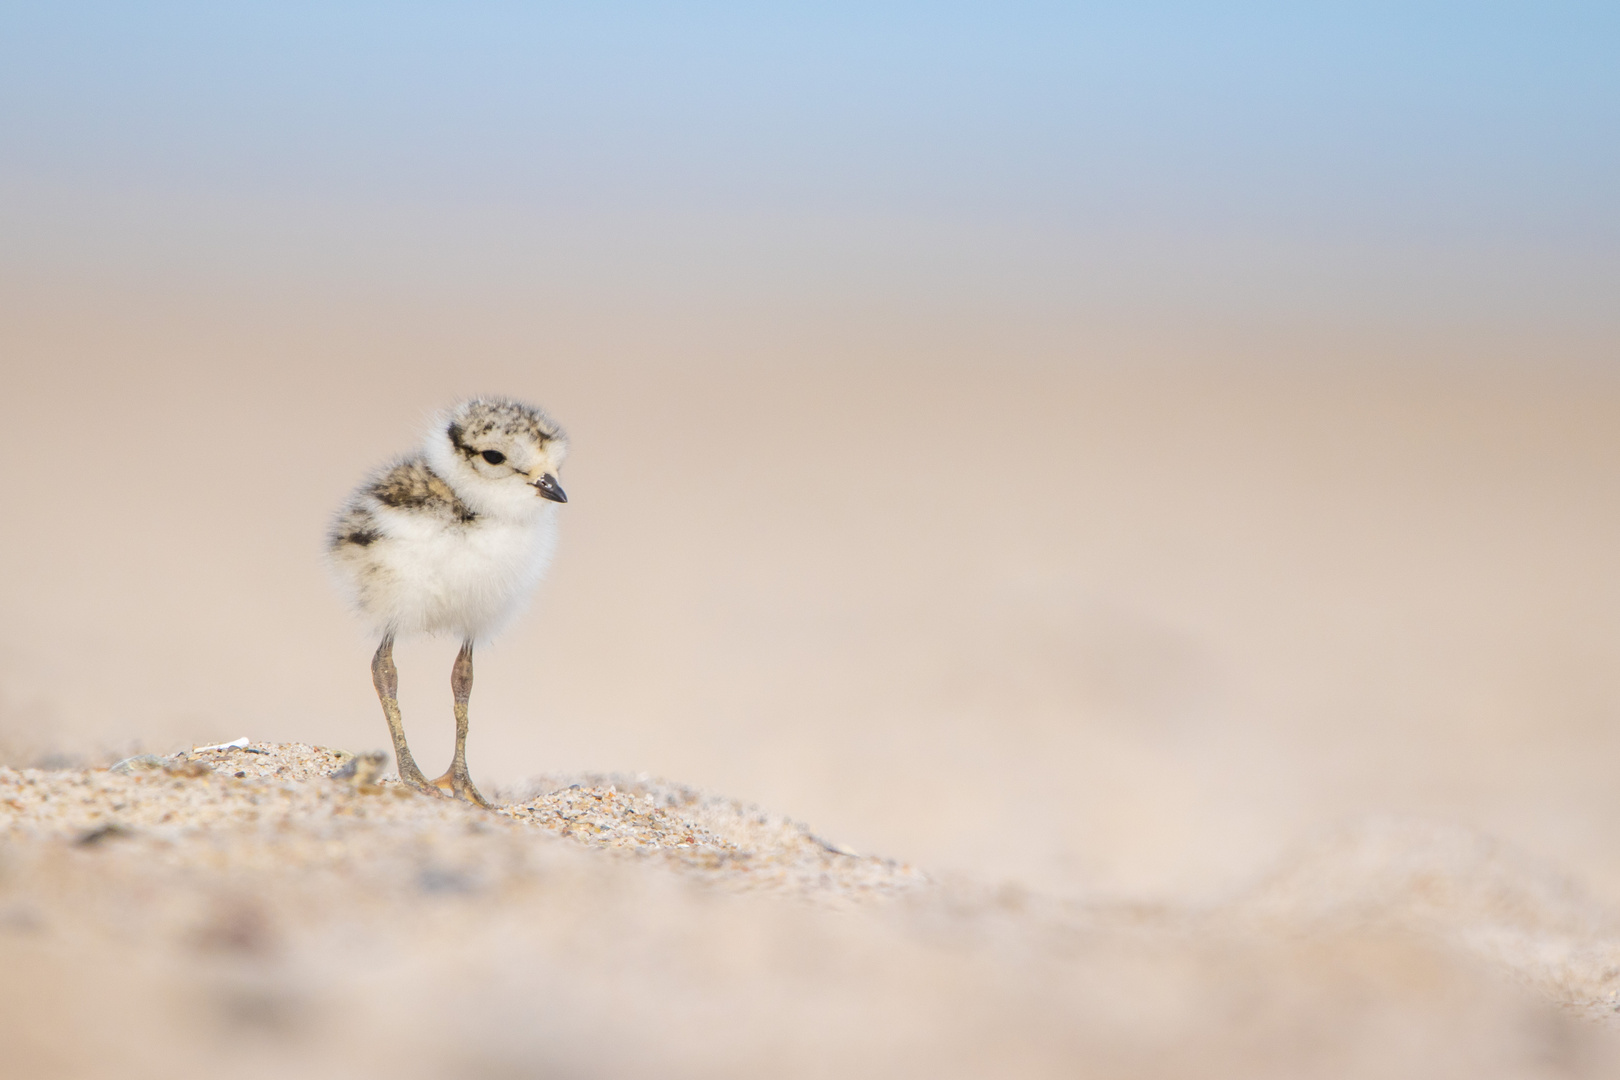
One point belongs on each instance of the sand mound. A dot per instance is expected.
(239, 910)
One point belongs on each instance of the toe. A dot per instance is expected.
(465, 790)
(426, 787)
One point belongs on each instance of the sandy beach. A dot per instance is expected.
(1242, 724)
(239, 911)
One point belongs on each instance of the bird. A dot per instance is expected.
(451, 539)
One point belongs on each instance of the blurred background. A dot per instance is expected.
(1090, 446)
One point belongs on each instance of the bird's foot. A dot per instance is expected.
(412, 777)
(423, 787)
(456, 783)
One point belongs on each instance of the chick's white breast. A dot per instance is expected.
(469, 578)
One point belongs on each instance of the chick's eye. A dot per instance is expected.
(494, 457)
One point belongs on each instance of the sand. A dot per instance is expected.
(240, 912)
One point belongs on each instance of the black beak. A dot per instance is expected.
(548, 488)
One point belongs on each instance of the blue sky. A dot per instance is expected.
(1460, 128)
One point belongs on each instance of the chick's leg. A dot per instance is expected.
(385, 677)
(455, 778)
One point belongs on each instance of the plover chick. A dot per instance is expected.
(451, 539)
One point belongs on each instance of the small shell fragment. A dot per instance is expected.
(234, 744)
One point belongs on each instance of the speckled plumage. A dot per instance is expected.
(451, 539)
